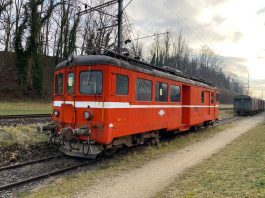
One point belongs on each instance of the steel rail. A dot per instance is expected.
(7, 117)
(26, 163)
(227, 120)
(226, 108)
(42, 176)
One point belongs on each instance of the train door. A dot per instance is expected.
(186, 103)
(208, 102)
(68, 108)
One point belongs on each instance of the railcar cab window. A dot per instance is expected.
(143, 90)
(174, 93)
(122, 84)
(161, 92)
(70, 83)
(202, 97)
(90, 82)
(59, 84)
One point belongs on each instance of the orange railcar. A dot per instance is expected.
(101, 103)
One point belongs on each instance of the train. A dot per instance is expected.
(247, 105)
(105, 102)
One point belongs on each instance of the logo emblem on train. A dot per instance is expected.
(161, 112)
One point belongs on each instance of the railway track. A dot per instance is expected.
(28, 172)
(227, 120)
(225, 108)
(14, 120)
(62, 162)
(24, 116)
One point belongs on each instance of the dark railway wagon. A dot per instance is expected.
(246, 105)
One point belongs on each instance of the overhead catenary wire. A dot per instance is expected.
(186, 23)
(131, 34)
(127, 5)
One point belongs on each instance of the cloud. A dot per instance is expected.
(218, 19)
(213, 2)
(178, 16)
(261, 11)
(236, 36)
(260, 57)
(235, 65)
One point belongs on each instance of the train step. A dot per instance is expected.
(184, 127)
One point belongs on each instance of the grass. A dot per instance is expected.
(68, 186)
(23, 135)
(225, 114)
(236, 171)
(225, 105)
(15, 107)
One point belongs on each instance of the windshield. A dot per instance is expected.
(91, 82)
(70, 83)
(59, 84)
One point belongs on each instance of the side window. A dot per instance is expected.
(217, 97)
(70, 83)
(202, 97)
(161, 92)
(143, 90)
(122, 83)
(212, 98)
(59, 84)
(174, 93)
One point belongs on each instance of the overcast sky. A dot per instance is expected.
(234, 29)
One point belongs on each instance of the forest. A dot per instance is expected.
(32, 29)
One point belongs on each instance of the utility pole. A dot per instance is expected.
(120, 13)
(248, 85)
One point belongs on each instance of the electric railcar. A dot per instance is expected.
(103, 102)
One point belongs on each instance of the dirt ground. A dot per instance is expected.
(154, 176)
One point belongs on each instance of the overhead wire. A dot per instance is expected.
(186, 23)
(131, 33)
(127, 5)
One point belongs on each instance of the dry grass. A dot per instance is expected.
(236, 171)
(225, 105)
(15, 107)
(119, 164)
(20, 135)
(225, 114)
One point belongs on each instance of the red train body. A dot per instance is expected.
(102, 102)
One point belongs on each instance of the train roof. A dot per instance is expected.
(117, 60)
(242, 97)
(246, 97)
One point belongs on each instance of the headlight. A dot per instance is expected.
(86, 115)
(70, 58)
(56, 113)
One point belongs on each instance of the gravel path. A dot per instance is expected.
(156, 175)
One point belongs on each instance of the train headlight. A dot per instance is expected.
(88, 115)
(56, 113)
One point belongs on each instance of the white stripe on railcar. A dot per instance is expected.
(122, 105)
